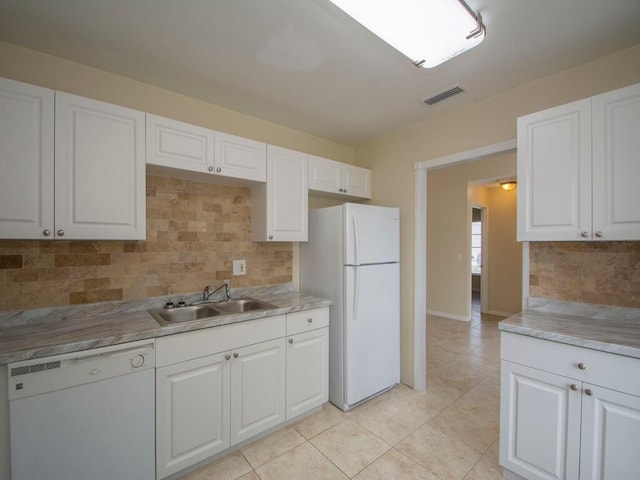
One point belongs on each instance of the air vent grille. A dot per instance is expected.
(450, 92)
(38, 367)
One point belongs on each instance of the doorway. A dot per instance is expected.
(479, 259)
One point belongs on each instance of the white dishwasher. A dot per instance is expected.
(86, 415)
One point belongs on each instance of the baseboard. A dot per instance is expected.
(449, 315)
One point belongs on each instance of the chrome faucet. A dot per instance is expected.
(206, 293)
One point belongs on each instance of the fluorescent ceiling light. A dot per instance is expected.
(429, 32)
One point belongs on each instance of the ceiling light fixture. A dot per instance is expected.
(509, 185)
(429, 32)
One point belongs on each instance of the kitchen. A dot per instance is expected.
(98, 274)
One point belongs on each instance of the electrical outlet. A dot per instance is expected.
(240, 267)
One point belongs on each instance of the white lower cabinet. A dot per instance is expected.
(565, 413)
(221, 386)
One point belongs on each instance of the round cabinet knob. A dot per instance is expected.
(599, 234)
(60, 233)
(574, 387)
(210, 169)
(582, 366)
(291, 340)
(235, 355)
(218, 169)
(584, 234)
(137, 361)
(345, 190)
(227, 356)
(46, 232)
(310, 320)
(270, 237)
(588, 392)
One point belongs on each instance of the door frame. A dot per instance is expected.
(420, 247)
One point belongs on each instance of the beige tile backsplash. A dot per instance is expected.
(194, 231)
(606, 273)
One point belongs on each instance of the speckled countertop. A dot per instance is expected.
(608, 329)
(43, 332)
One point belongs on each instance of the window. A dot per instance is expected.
(476, 247)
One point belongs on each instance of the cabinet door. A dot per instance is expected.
(241, 158)
(356, 181)
(539, 423)
(307, 371)
(99, 170)
(280, 207)
(26, 160)
(257, 389)
(192, 412)
(610, 425)
(616, 165)
(324, 175)
(179, 145)
(554, 173)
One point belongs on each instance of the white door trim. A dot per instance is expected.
(420, 247)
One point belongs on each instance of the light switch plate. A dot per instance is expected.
(240, 267)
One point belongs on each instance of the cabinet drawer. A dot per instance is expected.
(199, 343)
(307, 320)
(600, 368)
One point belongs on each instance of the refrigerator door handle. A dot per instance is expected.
(356, 243)
(356, 292)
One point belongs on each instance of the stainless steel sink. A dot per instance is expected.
(244, 304)
(190, 313)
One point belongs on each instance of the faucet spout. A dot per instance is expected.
(207, 293)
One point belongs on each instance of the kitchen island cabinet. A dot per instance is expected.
(567, 412)
(578, 170)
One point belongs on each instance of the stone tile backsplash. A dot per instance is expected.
(194, 231)
(606, 273)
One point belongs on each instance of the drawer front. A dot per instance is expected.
(307, 320)
(599, 368)
(199, 343)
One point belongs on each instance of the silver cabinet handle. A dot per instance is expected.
(218, 169)
(270, 237)
(582, 366)
(574, 387)
(588, 392)
(291, 340)
(46, 232)
(210, 169)
(584, 234)
(310, 320)
(235, 355)
(60, 233)
(227, 356)
(599, 234)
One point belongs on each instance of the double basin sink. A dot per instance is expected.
(170, 316)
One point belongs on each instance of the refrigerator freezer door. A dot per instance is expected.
(372, 234)
(372, 330)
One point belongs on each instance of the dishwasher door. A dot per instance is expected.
(84, 416)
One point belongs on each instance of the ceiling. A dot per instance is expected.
(305, 64)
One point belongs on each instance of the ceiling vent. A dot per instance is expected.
(450, 92)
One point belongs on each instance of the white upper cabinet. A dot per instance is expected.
(26, 160)
(175, 144)
(239, 157)
(280, 207)
(99, 170)
(616, 164)
(578, 170)
(187, 147)
(338, 179)
(73, 171)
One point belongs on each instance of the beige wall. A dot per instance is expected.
(449, 202)
(484, 122)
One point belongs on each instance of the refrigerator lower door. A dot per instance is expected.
(372, 330)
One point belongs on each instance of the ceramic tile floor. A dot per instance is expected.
(448, 432)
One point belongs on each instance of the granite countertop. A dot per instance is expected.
(608, 329)
(38, 333)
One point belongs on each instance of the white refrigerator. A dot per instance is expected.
(352, 258)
